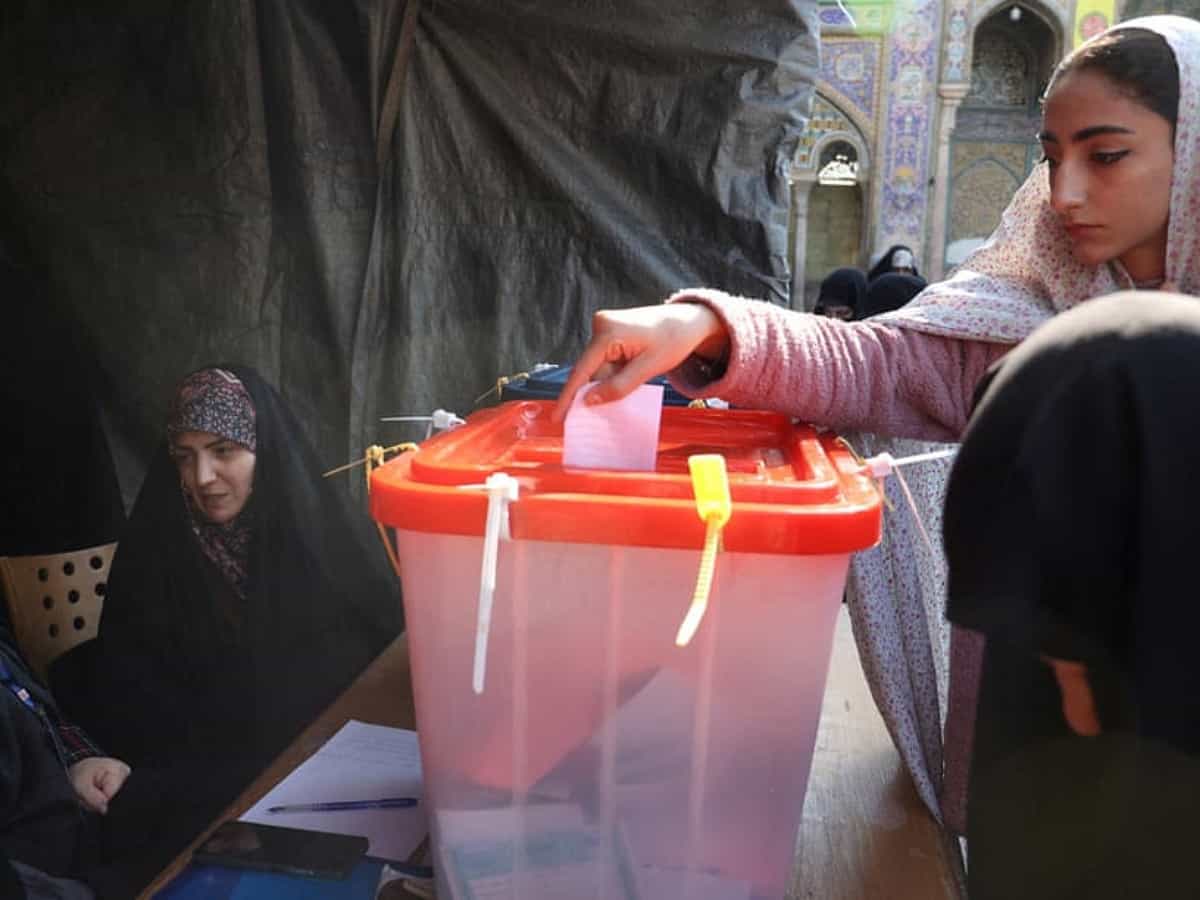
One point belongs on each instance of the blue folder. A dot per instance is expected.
(205, 882)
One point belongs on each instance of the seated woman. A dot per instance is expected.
(1069, 534)
(245, 595)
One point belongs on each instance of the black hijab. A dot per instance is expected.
(1070, 515)
(886, 265)
(184, 665)
(889, 292)
(842, 287)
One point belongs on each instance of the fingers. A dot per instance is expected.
(112, 779)
(619, 382)
(97, 780)
(1078, 702)
(631, 346)
(91, 796)
(593, 358)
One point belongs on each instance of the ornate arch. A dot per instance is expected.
(1053, 17)
(832, 120)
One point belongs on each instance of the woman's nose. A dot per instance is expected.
(205, 473)
(1068, 189)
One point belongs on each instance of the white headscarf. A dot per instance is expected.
(1025, 273)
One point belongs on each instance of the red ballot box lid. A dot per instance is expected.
(794, 490)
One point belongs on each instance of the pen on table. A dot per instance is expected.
(339, 805)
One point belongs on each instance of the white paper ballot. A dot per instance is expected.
(360, 762)
(618, 435)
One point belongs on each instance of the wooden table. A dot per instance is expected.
(864, 836)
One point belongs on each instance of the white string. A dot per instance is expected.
(912, 505)
(846, 13)
(885, 464)
(925, 457)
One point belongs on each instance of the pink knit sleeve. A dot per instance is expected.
(858, 376)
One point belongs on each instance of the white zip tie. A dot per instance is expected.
(885, 464)
(439, 420)
(502, 489)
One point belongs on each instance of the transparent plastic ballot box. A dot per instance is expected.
(570, 746)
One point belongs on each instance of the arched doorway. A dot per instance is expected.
(993, 148)
(829, 178)
(835, 217)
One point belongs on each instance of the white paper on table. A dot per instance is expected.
(622, 434)
(360, 762)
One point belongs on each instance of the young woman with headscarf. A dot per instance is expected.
(1121, 135)
(1069, 535)
(246, 593)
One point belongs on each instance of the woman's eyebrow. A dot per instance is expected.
(1083, 134)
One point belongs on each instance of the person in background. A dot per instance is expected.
(53, 783)
(1068, 531)
(897, 258)
(1114, 205)
(889, 292)
(841, 293)
(245, 595)
(58, 483)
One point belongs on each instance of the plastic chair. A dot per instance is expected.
(54, 601)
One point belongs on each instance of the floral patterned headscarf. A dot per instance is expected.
(1025, 273)
(216, 401)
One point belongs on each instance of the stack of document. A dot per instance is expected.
(360, 763)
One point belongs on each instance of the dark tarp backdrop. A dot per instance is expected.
(230, 181)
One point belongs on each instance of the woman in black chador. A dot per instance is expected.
(245, 595)
(1070, 532)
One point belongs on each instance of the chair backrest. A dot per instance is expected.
(54, 601)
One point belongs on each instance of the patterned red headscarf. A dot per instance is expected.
(216, 401)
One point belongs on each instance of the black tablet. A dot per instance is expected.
(316, 854)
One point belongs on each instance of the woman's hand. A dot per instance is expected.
(631, 346)
(1078, 703)
(96, 781)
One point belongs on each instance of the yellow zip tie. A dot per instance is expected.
(498, 388)
(386, 451)
(710, 482)
(373, 458)
(850, 447)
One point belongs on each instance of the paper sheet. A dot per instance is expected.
(360, 762)
(618, 435)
